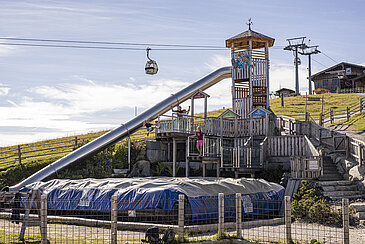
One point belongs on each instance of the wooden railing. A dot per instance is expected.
(306, 167)
(336, 141)
(213, 126)
(23, 154)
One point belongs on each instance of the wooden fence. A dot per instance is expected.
(212, 126)
(22, 154)
(27, 153)
(335, 141)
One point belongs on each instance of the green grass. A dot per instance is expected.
(296, 105)
(355, 123)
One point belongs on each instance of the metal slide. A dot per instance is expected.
(128, 128)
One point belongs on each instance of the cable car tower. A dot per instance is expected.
(250, 70)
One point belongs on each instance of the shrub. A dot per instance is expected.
(16, 174)
(309, 204)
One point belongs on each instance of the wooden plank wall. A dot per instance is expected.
(286, 146)
(259, 77)
(242, 106)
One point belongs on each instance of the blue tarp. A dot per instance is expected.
(258, 196)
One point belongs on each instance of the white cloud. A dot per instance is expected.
(218, 61)
(4, 91)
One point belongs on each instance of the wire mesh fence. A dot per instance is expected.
(170, 219)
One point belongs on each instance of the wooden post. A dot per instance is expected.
(305, 110)
(347, 113)
(181, 220)
(174, 152)
(129, 153)
(360, 105)
(287, 220)
(76, 141)
(186, 158)
(361, 154)
(114, 220)
(346, 220)
(44, 219)
(220, 215)
(20, 155)
(331, 116)
(239, 215)
(320, 119)
(347, 147)
(322, 105)
(282, 100)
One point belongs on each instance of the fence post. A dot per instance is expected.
(320, 119)
(239, 215)
(347, 146)
(346, 220)
(287, 220)
(114, 219)
(360, 105)
(75, 141)
(181, 216)
(331, 116)
(220, 215)
(44, 219)
(20, 155)
(347, 113)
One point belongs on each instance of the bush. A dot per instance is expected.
(100, 165)
(309, 204)
(16, 174)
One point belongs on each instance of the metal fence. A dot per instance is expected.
(177, 219)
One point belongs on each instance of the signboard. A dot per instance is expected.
(259, 112)
(348, 71)
(228, 115)
(247, 204)
(313, 165)
(313, 99)
(199, 95)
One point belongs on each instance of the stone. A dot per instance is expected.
(357, 172)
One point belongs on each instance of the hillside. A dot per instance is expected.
(295, 107)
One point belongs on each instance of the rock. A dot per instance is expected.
(144, 167)
(357, 172)
(141, 168)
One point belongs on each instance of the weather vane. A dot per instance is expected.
(249, 23)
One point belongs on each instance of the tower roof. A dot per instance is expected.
(242, 40)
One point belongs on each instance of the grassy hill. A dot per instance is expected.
(295, 106)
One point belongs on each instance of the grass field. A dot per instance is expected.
(296, 105)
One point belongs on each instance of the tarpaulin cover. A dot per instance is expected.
(259, 196)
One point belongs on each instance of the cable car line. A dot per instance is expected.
(110, 48)
(109, 43)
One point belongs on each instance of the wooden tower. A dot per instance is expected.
(250, 73)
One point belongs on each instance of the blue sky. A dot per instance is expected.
(50, 92)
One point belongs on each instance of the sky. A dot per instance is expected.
(47, 93)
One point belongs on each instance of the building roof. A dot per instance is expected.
(241, 40)
(285, 89)
(335, 67)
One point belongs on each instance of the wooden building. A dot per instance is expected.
(340, 76)
(285, 92)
